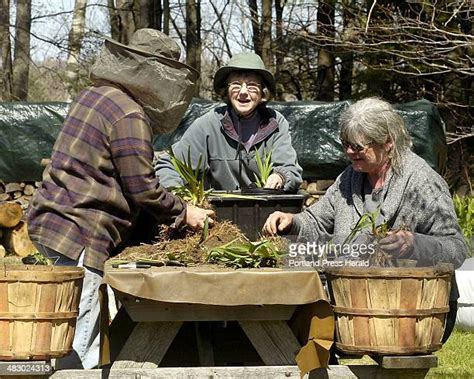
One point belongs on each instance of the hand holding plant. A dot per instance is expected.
(399, 243)
(274, 181)
(198, 218)
(389, 244)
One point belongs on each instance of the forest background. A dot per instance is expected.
(326, 51)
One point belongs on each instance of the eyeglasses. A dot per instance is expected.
(252, 87)
(355, 146)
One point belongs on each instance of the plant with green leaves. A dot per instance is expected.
(368, 221)
(240, 253)
(265, 167)
(193, 189)
(37, 258)
(464, 207)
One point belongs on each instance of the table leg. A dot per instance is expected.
(274, 341)
(204, 343)
(120, 330)
(147, 345)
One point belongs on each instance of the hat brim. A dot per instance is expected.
(166, 60)
(222, 74)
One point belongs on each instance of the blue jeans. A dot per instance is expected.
(86, 339)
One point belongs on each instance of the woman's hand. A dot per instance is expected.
(399, 244)
(274, 181)
(195, 217)
(278, 222)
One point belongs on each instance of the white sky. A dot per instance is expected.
(57, 27)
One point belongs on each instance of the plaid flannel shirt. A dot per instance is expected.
(101, 175)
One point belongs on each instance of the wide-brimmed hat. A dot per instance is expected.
(244, 62)
(149, 69)
(153, 43)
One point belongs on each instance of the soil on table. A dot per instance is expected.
(190, 248)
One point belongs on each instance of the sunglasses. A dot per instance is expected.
(354, 146)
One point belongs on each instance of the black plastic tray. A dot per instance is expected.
(251, 214)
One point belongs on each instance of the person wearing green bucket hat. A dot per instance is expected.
(101, 177)
(228, 138)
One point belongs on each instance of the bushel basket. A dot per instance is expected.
(38, 310)
(390, 310)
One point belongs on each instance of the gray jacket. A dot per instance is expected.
(213, 135)
(419, 199)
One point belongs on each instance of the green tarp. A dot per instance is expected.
(27, 134)
(28, 131)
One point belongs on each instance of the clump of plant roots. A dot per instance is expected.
(377, 232)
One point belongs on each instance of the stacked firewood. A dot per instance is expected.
(14, 200)
(315, 189)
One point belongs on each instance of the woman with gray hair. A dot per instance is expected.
(385, 177)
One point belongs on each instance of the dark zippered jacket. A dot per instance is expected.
(228, 165)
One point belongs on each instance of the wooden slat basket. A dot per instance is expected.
(38, 310)
(399, 311)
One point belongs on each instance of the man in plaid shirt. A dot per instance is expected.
(101, 174)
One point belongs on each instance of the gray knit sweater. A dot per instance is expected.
(419, 199)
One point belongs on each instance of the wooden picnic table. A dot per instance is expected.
(166, 307)
(273, 307)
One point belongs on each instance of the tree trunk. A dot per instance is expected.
(121, 20)
(21, 61)
(345, 79)
(325, 28)
(122, 23)
(347, 58)
(114, 20)
(147, 14)
(279, 43)
(6, 63)
(166, 17)
(141, 13)
(267, 54)
(76, 35)
(257, 43)
(156, 15)
(193, 35)
(467, 27)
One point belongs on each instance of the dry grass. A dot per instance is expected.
(188, 249)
